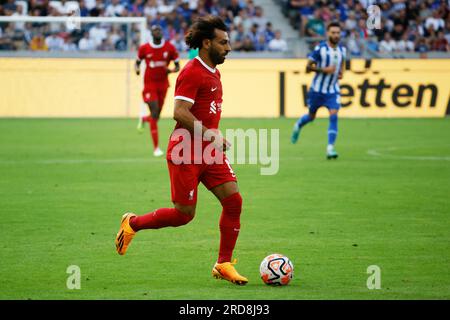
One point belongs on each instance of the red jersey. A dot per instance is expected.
(157, 59)
(199, 84)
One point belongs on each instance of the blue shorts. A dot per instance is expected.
(316, 100)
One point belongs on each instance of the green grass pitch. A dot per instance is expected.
(386, 201)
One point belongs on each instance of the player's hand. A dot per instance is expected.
(329, 70)
(226, 144)
(340, 76)
(137, 70)
(218, 141)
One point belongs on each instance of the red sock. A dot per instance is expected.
(229, 226)
(154, 131)
(160, 218)
(146, 119)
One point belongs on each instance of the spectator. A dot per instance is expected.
(150, 9)
(114, 9)
(233, 8)
(387, 45)
(397, 33)
(136, 8)
(121, 43)
(253, 35)
(98, 34)
(243, 18)
(422, 46)
(354, 45)
(86, 43)
(98, 10)
(350, 23)
(54, 42)
(247, 45)
(440, 43)
(106, 45)
(404, 44)
(237, 36)
(165, 8)
(268, 32)
(38, 43)
(258, 18)
(315, 26)
(261, 44)
(277, 43)
(179, 43)
(69, 45)
(435, 22)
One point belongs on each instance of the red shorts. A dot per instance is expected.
(154, 93)
(184, 179)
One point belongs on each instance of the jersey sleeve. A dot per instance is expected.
(187, 86)
(141, 52)
(315, 55)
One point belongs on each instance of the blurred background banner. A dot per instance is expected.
(90, 87)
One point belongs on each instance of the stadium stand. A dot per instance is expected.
(417, 26)
(412, 27)
(249, 29)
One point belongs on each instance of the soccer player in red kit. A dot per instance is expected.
(157, 54)
(198, 107)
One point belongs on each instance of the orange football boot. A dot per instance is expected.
(125, 234)
(226, 271)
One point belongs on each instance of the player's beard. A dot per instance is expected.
(334, 41)
(215, 56)
(157, 40)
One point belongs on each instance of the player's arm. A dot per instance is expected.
(184, 116)
(312, 66)
(137, 66)
(344, 58)
(341, 71)
(176, 69)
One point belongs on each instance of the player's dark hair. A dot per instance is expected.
(333, 24)
(203, 28)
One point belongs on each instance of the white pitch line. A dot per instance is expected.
(80, 161)
(377, 153)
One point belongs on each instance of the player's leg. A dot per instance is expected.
(184, 182)
(313, 103)
(221, 181)
(333, 107)
(143, 116)
(153, 120)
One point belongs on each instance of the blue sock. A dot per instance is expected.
(333, 129)
(303, 120)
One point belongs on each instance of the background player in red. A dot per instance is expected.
(157, 54)
(198, 97)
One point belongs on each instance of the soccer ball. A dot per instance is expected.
(276, 269)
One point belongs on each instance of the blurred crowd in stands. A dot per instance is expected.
(248, 28)
(405, 26)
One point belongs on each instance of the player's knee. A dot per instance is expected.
(188, 211)
(233, 204)
(312, 116)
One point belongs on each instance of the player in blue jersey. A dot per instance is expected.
(327, 61)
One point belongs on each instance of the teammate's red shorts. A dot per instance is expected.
(154, 92)
(184, 179)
